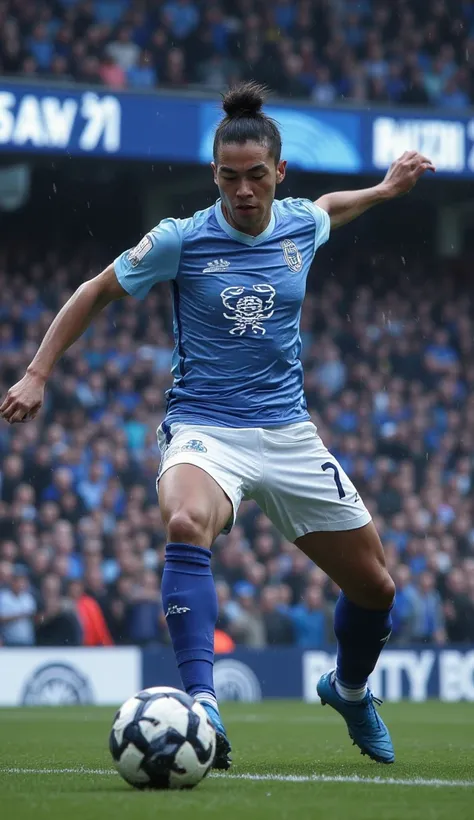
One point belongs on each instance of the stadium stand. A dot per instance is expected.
(389, 373)
(390, 384)
(414, 53)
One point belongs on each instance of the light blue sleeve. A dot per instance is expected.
(154, 259)
(322, 222)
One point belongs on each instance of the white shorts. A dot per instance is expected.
(287, 470)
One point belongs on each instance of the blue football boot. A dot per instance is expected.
(222, 759)
(366, 728)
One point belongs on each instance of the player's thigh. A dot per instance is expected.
(312, 501)
(193, 506)
(355, 560)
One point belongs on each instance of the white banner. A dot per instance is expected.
(49, 676)
(411, 674)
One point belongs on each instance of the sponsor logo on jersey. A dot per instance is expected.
(194, 444)
(217, 266)
(248, 308)
(293, 257)
(55, 684)
(235, 680)
(139, 252)
(174, 609)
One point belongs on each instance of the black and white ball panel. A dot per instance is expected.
(162, 738)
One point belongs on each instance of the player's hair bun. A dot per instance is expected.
(244, 100)
(245, 121)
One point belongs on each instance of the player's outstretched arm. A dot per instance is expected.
(403, 174)
(24, 400)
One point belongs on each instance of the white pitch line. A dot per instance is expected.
(355, 778)
(76, 770)
(277, 778)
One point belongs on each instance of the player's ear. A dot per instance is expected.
(214, 171)
(281, 171)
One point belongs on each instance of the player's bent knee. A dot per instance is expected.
(383, 594)
(378, 593)
(189, 527)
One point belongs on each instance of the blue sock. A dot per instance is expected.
(190, 605)
(361, 635)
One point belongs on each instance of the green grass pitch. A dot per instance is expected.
(291, 761)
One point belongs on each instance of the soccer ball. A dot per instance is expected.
(162, 739)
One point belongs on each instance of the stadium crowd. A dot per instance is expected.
(406, 51)
(390, 384)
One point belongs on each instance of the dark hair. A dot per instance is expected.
(245, 119)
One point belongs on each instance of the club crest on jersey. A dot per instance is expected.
(247, 309)
(293, 257)
(137, 253)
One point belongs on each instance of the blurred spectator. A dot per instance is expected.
(10, 476)
(40, 46)
(429, 624)
(458, 609)
(292, 84)
(58, 69)
(216, 73)
(91, 72)
(6, 574)
(404, 612)
(17, 610)
(58, 624)
(295, 579)
(394, 82)
(223, 643)
(142, 74)
(248, 627)
(174, 69)
(331, 373)
(94, 628)
(310, 620)
(182, 16)
(415, 92)
(278, 626)
(324, 90)
(453, 96)
(123, 51)
(111, 73)
(92, 488)
(144, 617)
(117, 601)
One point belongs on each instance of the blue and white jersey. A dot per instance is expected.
(237, 306)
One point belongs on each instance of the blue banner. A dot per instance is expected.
(107, 675)
(250, 675)
(39, 119)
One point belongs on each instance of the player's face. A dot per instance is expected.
(247, 176)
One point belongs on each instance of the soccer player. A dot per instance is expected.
(237, 425)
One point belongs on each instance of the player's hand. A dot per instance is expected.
(24, 400)
(405, 172)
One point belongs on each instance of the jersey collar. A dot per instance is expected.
(245, 238)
